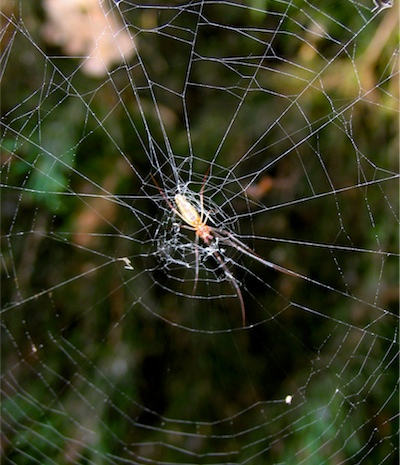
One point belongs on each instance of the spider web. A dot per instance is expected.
(122, 339)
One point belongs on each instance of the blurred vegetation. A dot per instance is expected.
(102, 366)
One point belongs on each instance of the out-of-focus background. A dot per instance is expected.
(122, 339)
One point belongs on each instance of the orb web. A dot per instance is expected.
(122, 338)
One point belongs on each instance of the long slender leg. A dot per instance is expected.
(202, 197)
(165, 198)
(231, 240)
(234, 284)
(196, 266)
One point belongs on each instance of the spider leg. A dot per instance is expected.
(164, 196)
(233, 283)
(202, 218)
(231, 240)
(196, 266)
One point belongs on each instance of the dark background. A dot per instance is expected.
(101, 365)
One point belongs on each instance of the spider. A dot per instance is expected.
(197, 221)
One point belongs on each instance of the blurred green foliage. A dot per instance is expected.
(107, 368)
